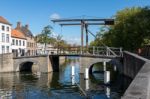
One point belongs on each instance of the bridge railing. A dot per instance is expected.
(105, 51)
(94, 50)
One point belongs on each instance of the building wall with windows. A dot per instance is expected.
(19, 43)
(31, 43)
(5, 38)
(50, 49)
(31, 46)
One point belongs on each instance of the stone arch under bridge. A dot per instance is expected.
(87, 62)
(39, 63)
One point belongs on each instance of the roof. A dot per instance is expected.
(17, 34)
(26, 31)
(3, 20)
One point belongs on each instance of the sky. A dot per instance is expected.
(38, 13)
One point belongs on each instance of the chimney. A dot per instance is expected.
(18, 25)
(27, 26)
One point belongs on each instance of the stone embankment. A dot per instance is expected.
(138, 68)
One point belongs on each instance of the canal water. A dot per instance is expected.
(60, 85)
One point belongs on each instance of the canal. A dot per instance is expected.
(60, 85)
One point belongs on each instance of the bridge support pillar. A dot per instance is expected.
(35, 68)
(55, 63)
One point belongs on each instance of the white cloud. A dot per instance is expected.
(55, 16)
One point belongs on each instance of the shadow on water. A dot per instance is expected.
(60, 85)
(117, 86)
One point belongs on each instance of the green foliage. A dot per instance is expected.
(131, 29)
(45, 37)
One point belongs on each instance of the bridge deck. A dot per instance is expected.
(78, 55)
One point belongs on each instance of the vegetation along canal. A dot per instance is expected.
(60, 85)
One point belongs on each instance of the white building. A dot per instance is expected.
(49, 49)
(5, 36)
(19, 43)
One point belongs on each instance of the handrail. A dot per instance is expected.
(92, 50)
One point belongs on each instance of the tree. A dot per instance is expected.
(61, 42)
(45, 36)
(131, 30)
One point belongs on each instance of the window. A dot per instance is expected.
(19, 42)
(3, 27)
(16, 42)
(7, 29)
(32, 44)
(28, 44)
(7, 49)
(7, 38)
(23, 43)
(13, 42)
(3, 37)
(3, 49)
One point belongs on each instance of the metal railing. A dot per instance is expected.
(94, 50)
(106, 51)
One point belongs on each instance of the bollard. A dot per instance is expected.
(72, 71)
(104, 66)
(115, 68)
(86, 76)
(106, 77)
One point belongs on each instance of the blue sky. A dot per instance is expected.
(37, 13)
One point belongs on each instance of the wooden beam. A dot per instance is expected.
(86, 29)
(69, 24)
(79, 20)
(82, 36)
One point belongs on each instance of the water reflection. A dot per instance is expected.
(59, 85)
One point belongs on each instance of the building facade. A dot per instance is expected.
(50, 49)
(19, 43)
(5, 36)
(31, 43)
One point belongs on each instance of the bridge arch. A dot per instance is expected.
(88, 62)
(27, 65)
(113, 62)
(39, 63)
(91, 67)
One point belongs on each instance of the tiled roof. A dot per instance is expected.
(17, 34)
(27, 32)
(3, 20)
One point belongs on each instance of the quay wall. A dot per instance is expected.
(137, 68)
(6, 62)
